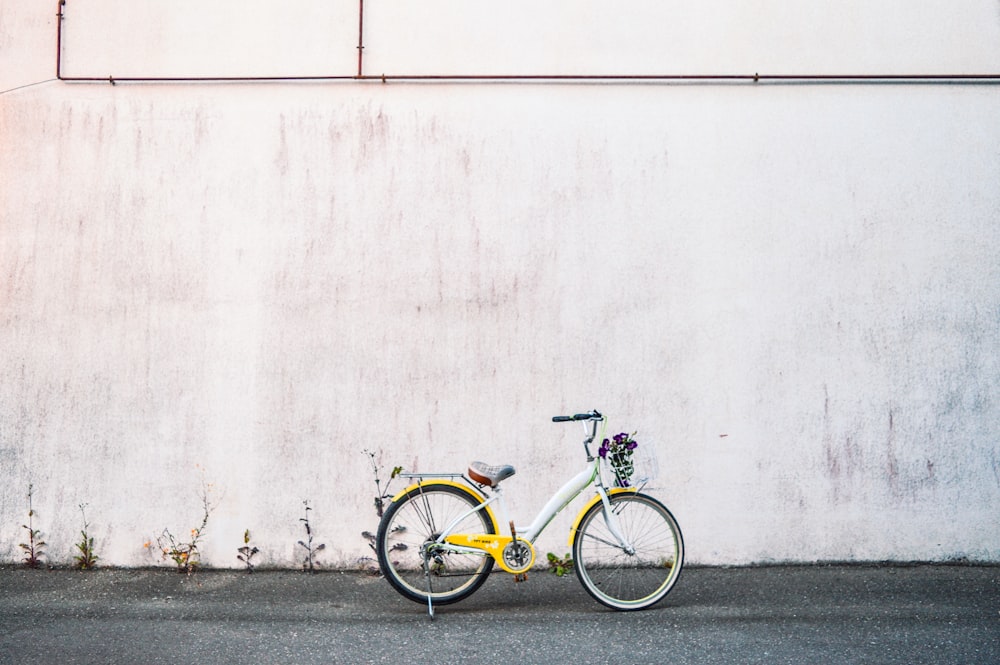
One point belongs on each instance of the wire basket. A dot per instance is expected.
(630, 468)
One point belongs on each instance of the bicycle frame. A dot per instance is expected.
(495, 544)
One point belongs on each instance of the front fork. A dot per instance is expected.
(614, 525)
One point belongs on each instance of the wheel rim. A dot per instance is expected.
(620, 579)
(412, 529)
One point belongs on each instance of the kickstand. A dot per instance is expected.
(427, 577)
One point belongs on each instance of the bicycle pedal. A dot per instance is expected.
(520, 577)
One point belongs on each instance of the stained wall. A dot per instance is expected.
(790, 291)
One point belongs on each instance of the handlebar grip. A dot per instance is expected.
(593, 415)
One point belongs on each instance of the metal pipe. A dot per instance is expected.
(113, 80)
(845, 79)
(710, 78)
(361, 34)
(842, 79)
(59, 22)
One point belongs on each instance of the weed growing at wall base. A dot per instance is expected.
(246, 553)
(309, 562)
(369, 564)
(560, 565)
(185, 553)
(34, 549)
(381, 494)
(85, 558)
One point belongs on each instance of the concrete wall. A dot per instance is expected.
(792, 292)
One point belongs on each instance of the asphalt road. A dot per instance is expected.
(807, 614)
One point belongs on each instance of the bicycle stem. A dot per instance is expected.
(591, 435)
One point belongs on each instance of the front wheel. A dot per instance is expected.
(408, 556)
(633, 577)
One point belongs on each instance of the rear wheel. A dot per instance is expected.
(405, 544)
(623, 579)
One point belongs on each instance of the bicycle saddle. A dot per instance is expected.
(485, 474)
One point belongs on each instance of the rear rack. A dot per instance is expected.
(431, 475)
(419, 477)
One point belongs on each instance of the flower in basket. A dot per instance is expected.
(618, 452)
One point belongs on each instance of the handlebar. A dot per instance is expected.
(592, 415)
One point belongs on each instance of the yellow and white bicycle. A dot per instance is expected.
(440, 537)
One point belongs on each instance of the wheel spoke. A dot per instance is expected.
(604, 541)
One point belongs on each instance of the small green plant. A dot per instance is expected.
(185, 553)
(368, 564)
(381, 494)
(309, 562)
(246, 553)
(560, 565)
(85, 558)
(34, 549)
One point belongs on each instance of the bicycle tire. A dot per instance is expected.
(629, 581)
(411, 522)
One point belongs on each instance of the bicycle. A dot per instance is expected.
(440, 537)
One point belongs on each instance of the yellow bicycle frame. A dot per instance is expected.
(494, 543)
(490, 543)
